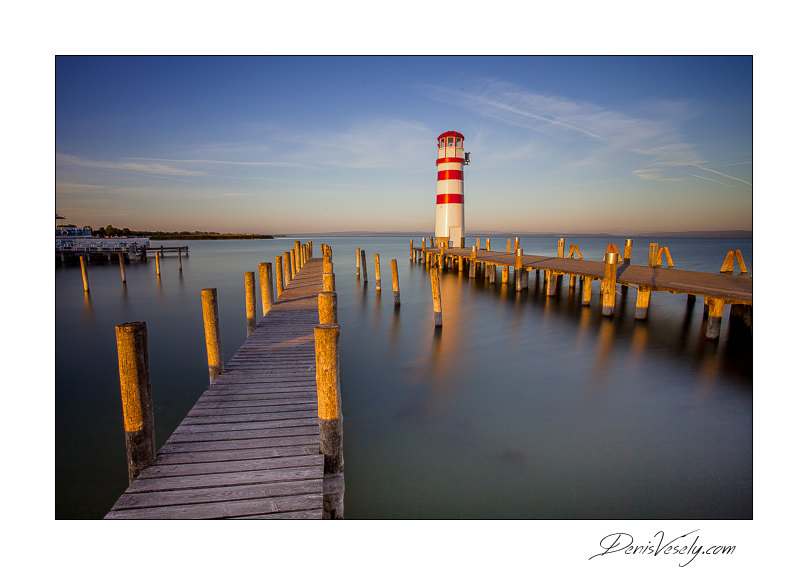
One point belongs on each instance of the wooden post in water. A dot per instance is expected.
(715, 313)
(249, 300)
(278, 275)
(508, 246)
(329, 411)
(265, 278)
(136, 396)
(157, 260)
(521, 283)
(179, 259)
(488, 244)
(213, 337)
(396, 294)
(627, 251)
(358, 259)
(473, 262)
(609, 283)
(378, 274)
(327, 307)
(586, 293)
(364, 267)
(411, 250)
(84, 275)
(643, 299)
(328, 265)
(123, 270)
(293, 259)
(287, 269)
(298, 261)
(561, 247)
(436, 303)
(329, 282)
(652, 256)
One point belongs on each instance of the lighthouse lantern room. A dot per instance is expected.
(449, 217)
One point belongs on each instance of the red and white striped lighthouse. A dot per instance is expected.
(450, 224)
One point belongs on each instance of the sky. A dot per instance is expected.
(296, 144)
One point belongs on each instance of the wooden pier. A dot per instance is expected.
(250, 447)
(717, 289)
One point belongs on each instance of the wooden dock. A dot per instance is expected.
(717, 289)
(250, 447)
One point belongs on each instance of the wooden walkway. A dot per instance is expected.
(250, 447)
(730, 288)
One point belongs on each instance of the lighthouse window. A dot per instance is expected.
(460, 142)
(451, 142)
(443, 142)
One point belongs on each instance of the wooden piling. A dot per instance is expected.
(609, 283)
(364, 267)
(508, 246)
(378, 274)
(84, 274)
(627, 251)
(358, 260)
(643, 299)
(265, 278)
(136, 396)
(278, 275)
(157, 260)
(179, 259)
(519, 278)
(329, 282)
(715, 313)
(396, 294)
(473, 262)
(326, 350)
(293, 258)
(488, 244)
(410, 250)
(298, 260)
(561, 247)
(327, 307)
(287, 269)
(586, 293)
(652, 256)
(436, 303)
(213, 337)
(249, 300)
(123, 270)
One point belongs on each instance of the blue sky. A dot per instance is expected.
(316, 144)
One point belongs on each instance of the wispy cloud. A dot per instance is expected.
(654, 141)
(159, 169)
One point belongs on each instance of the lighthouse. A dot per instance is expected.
(450, 224)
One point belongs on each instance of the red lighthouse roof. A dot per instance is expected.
(451, 135)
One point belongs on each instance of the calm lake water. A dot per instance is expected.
(521, 406)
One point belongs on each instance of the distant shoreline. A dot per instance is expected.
(164, 237)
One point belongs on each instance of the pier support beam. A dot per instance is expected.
(287, 269)
(586, 293)
(364, 268)
(265, 278)
(213, 337)
(123, 270)
(378, 274)
(329, 412)
(643, 299)
(327, 307)
(278, 275)
(436, 303)
(136, 396)
(249, 301)
(716, 312)
(609, 283)
(396, 293)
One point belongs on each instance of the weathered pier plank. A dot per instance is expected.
(250, 446)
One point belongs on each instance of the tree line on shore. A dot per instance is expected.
(111, 231)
